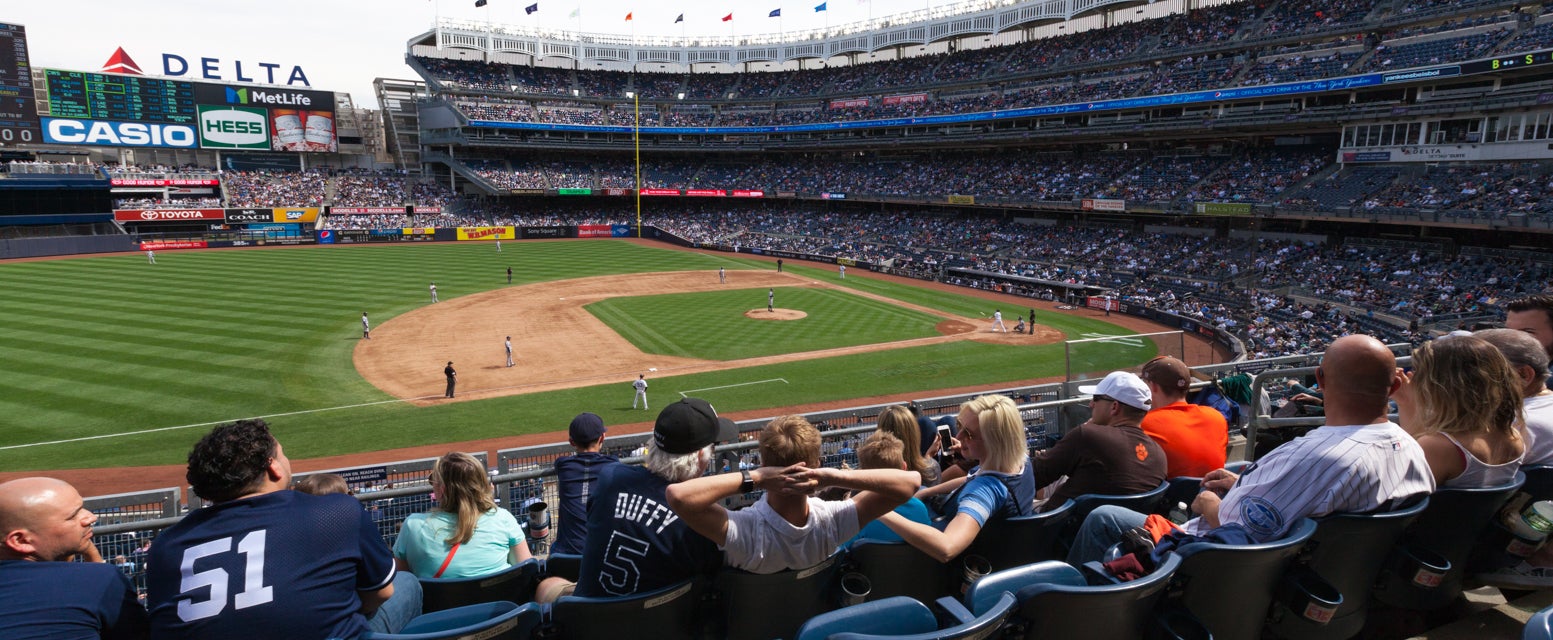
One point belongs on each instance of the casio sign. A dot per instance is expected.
(118, 134)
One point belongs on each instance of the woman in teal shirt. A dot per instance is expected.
(465, 535)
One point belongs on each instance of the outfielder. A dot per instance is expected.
(843, 271)
(498, 246)
(508, 344)
(150, 256)
(366, 327)
(771, 300)
(997, 321)
(722, 276)
(433, 292)
(509, 275)
(641, 391)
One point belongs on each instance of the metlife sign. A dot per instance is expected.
(263, 97)
(234, 128)
(109, 133)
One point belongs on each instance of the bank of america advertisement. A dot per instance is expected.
(120, 110)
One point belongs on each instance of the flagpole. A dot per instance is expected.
(636, 136)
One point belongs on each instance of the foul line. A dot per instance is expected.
(685, 394)
(206, 424)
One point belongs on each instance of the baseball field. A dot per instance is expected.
(110, 361)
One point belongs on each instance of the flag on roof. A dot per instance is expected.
(575, 13)
(819, 7)
(531, 8)
(628, 16)
(727, 17)
(479, 3)
(775, 13)
(680, 19)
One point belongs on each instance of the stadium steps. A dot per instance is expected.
(1492, 616)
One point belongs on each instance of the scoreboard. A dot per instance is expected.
(76, 94)
(18, 114)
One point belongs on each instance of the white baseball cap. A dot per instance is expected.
(1122, 387)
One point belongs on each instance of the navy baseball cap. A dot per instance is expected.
(690, 425)
(585, 428)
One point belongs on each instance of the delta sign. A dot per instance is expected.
(174, 65)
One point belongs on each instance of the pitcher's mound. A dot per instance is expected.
(776, 314)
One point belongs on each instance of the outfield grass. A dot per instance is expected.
(111, 345)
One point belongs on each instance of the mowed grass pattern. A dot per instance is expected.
(111, 345)
(713, 326)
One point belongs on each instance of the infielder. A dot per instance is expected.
(722, 276)
(150, 256)
(508, 344)
(843, 271)
(366, 327)
(771, 300)
(433, 292)
(997, 321)
(641, 391)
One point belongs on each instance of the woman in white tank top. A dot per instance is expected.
(1463, 404)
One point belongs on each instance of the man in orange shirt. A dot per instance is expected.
(1195, 438)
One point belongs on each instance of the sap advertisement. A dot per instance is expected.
(126, 110)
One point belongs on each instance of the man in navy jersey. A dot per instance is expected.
(267, 562)
(577, 476)
(635, 541)
(44, 523)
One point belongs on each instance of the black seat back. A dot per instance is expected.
(1450, 529)
(774, 605)
(1229, 588)
(898, 569)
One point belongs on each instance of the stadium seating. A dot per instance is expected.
(1022, 540)
(487, 621)
(1229, 588)
(1056, 602)
(747, 599)
(670, 612)
(903, 618)
(899, 569)
(515, 584)
(1540, 626)
(1147, 502)
(1347, 552)
(1446, 531)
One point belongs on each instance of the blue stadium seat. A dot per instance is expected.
(1449, 529)
(562, 565)
(1229, 588)
(1347, 552)
(898, 569)
(1540, 626)
(668, 613)
(1147, 502)
(906, 619)
(749, 601)
(515, 584)
(1013, 542)
(488, 621)
(1055, 601)
(1539, 481)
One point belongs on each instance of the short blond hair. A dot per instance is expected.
(320, 484)
(882, 450)
(789, 440)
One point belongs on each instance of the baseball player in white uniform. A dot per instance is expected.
(150, 256)
(508, 344)
(771, 300)
(997, 321)
(722, 276)
(433, 292)
(843, 271)
(498, 246)
(366, 327)
(641, 391)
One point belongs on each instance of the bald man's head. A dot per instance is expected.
(43, 519)
(1357, 374)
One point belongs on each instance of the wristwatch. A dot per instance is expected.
(749, 481)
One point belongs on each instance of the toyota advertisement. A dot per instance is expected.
(168, 215)
(127, 110)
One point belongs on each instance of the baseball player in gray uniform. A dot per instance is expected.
(641, 391)
(366, 327)
(771, 300)
(150, 256)
(508, 344)
(433, 292)
(997, 321)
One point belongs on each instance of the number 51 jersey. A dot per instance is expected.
(277, 565)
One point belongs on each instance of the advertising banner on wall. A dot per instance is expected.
(705, 193)
(366, 211)
(831, 195)
(158, 245)
(747, 193)
(546, 232)
(486, 233)
(962, 199)
(849, 103)
(594, 231)
(418, 210)
(618, 192)
(295, 214)
(620, 231)
(1224, 208)
(158, 182)
(234, 128)
(168, 215)
(1100, 204)
(903, 99)
(117, 133)
(250, 215)
(660, 192)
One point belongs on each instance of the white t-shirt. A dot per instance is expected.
(1539, 429)
(760, 541)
